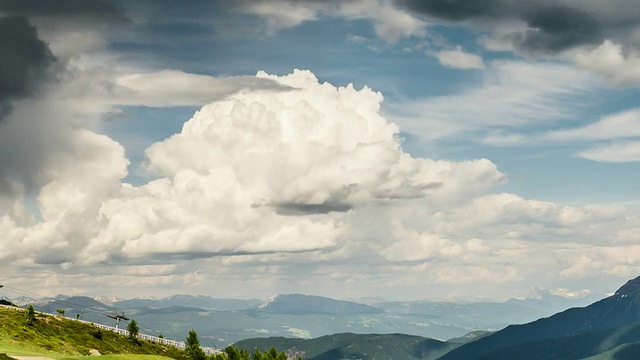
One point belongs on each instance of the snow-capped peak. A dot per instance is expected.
(107, 300)
(268, 301)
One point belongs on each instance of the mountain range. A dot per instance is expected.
(608, 329)
(298, 304)
(314, 327)
(220, 322)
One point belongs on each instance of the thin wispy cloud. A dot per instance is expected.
(511, 94)
(612, 138)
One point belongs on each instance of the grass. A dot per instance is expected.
(622, 352)
(60, 338)
(21, 349)
(118, 357)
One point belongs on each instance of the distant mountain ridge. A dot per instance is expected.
(196, 301)
(228, 320)
(299, 304)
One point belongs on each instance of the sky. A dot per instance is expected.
(402, 149)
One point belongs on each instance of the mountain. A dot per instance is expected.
(224, 321)
(622, 352)
(25, 300)
(108, 300)
(481, 315)
(305, 317)
(221, 328)
(355, 346)
(199, 301)
(593, 325)
(168, 310)
(493, 315)
(76, 302)
(573, 347)
(298, 304)
(81, 306)
(552, 301)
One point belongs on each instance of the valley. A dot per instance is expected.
(320, 328)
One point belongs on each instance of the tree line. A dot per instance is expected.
(193, 351)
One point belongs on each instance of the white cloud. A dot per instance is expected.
(277, 187)
(566, 293)
(622, 129)
(284, 14)
(508, 216)
(612, 138)
(620, 261)
(628, 151)
(105, 86)
(257, 172)
(620, 125)
(389, 22)
(459, 59)
(167, 88)
(610, 60)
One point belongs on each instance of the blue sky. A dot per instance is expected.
(482, 149)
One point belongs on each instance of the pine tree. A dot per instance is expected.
(192, 350)
(133, 329)
(31, 315)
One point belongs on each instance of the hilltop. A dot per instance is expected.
(357, 346)
(299, 304)
(57, 337)
(576, 333)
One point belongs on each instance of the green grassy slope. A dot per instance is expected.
(622, 352)
(617, 343)
(118, 357)
(60, 338)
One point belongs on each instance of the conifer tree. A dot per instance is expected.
(31, 315)
(133, 329)
(192, 350)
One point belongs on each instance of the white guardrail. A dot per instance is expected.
(159, 340)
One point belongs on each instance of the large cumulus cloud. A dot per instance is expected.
(263, 172)
(300, 180)
(258, 172)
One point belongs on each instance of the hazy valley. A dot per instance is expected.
(224, 321)
(320, 328)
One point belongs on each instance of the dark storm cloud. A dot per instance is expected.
(556, 28)
(552, 26)
(457, 10)
(24, 59)
(75, 9)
